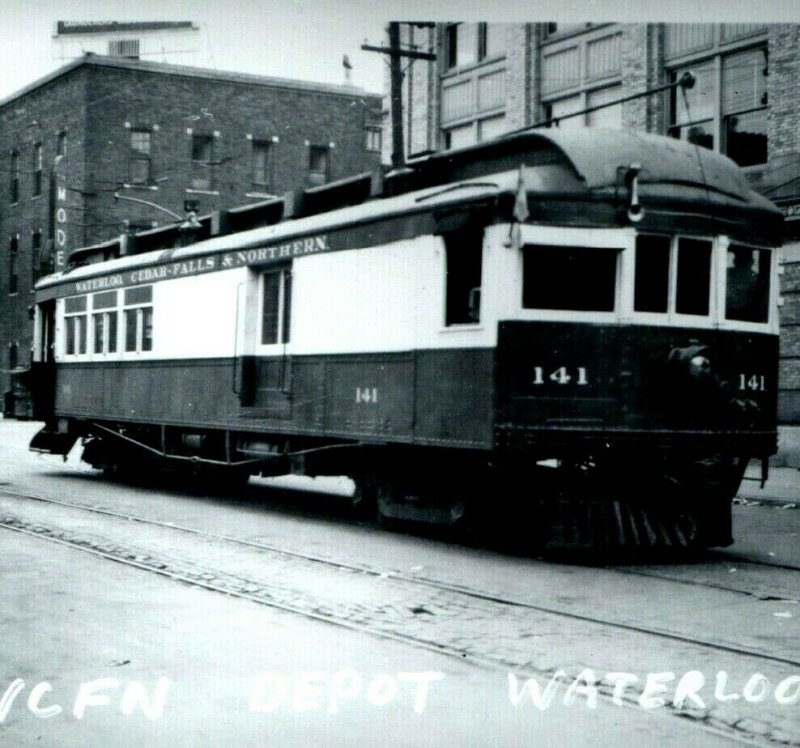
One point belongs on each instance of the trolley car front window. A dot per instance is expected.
(569, 278)
(747, 284)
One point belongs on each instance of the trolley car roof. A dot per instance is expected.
(580, 174)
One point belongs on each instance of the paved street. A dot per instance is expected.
(265, 624)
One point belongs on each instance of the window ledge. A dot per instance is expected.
(134, 186)
(191, 191)
(470, 66)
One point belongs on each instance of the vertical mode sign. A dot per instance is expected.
(59, 214)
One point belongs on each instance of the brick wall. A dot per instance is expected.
(94, 100)
(783, 90)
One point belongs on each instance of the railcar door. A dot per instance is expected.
(43, 367)
(265, 377)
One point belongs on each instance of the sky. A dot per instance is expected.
(306, 39)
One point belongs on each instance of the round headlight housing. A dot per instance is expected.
(699, 367)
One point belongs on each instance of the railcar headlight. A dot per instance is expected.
(699, 367)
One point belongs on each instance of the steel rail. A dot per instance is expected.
(426, 582)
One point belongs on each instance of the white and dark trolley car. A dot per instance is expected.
(574, 332)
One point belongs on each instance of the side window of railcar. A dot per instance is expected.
(464, 257)
(747, 284)
(75, 320)
(651, 284)
(104, 321)
(276, 303)
(569, 278)
(694, 277)
(690, 292)
(138, 318)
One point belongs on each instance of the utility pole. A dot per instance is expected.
(396, 54)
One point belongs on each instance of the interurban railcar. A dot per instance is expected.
(573, 331)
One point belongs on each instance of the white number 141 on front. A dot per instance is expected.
(561, 375)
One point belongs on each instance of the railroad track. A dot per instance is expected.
(466, 595)
(445, 586)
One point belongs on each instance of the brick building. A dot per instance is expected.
(489, 79)
(158, 136)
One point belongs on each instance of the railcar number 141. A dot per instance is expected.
(561, 375)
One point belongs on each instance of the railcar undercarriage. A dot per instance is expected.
(614, 501)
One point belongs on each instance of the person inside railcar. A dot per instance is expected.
(747, 285)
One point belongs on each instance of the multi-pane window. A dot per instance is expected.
(109, 322)
(318, 164)
(262, 163)
(672, 275)
(583, 72)
(468, 43)
(75, 320)
(276, 304)
(13, 188)
(37, 168)
(726, 110)
(569, 278)
(104, 321)
(139, 162)
(138, 319)
(474, 93)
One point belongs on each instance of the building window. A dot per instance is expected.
(582, 72)
(75, 321)
(318, 164)
(491, 40)
(36, 256)
(468, 43)
(726, 110)
(12, 265)
(138, 319)
(13, 188)
(569, 278)
(459, 137)
(202, 156)
(61, 143)
(276, 304)
(462, 44)
(139, 161)
(202, 148)
(37, 169)
(609, 115)
(559, 29)
(13, 349)
(262, 163)
(124, 48)
(464, 258)
(374, 138)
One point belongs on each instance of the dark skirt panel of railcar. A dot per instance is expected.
(618, 383)
(438, 397)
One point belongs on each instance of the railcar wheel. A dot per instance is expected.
(402, 503)
(363, 502)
